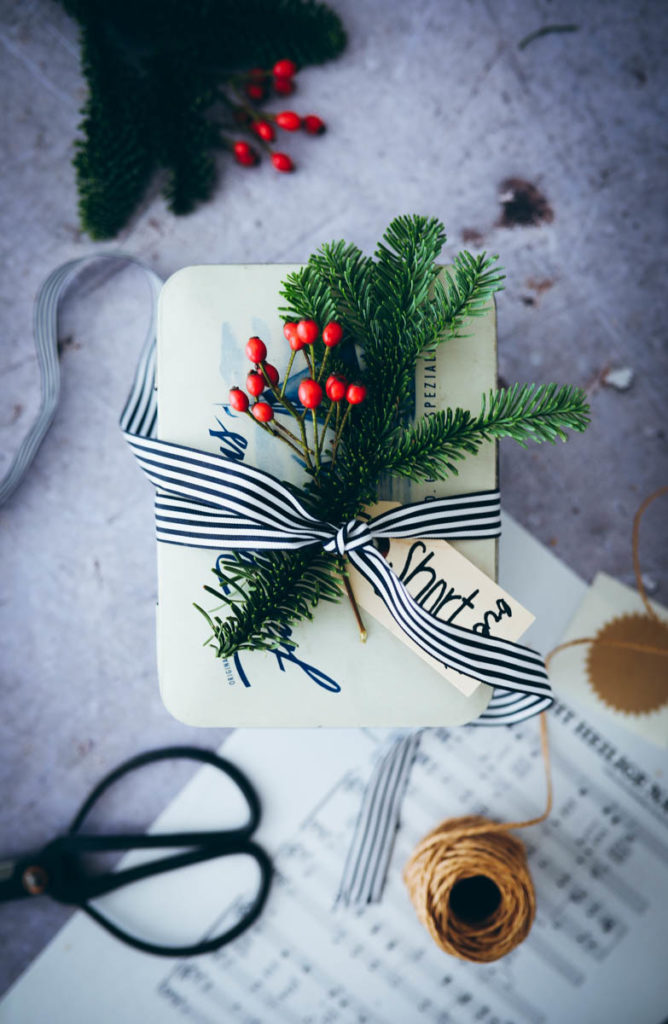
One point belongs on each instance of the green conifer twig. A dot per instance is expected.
(392, 308)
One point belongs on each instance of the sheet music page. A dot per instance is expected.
(600, 863)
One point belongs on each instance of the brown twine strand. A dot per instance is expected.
(468, 879)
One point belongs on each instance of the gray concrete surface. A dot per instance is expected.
(431, 109)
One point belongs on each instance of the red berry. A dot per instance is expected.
(245, 154)
(255, 384)
(284, 68)
(282, 162)
(256, 350)
(307, 331)
(264, 129)
(262, 412)
(289, 121)
(310, 393)
(238, 400)
(355, 394)
(335, 388)
(247, 159)
(255, 91)
(284, 86)
(271, 373)
(332, 334)
(313, 124)
(290, 332)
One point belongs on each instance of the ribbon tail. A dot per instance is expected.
(365, 870)
(518, 671)
(45, 326)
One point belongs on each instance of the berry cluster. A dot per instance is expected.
(257, 86)
(336, 393)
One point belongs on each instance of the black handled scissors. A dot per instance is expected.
(57, 869)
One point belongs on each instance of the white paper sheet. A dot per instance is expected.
(600, 864)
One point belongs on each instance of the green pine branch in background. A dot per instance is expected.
(394, 308)
(154, 69)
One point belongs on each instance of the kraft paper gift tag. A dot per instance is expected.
(449, 586)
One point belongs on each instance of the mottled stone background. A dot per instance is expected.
(433, 108)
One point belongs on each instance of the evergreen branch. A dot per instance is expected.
(396, 307)
(349, 277)
(534, 412)
(279, 590)
(307, 296)
(432, 447)
(154, 70)
(468, 288)
(405, 265)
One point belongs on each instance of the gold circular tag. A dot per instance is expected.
(629, 680)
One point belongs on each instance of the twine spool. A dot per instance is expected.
(469, 880)
(470, 885)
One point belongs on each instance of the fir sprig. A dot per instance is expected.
(266, 595)
(393, 308)
(431, 448)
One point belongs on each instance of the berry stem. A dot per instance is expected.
(307, 450)
(323, 364)
(326, 424)
(316, 445)
(353, 603)
(287, 404)
(339, 432)
(287, 372)
(295, 447)
(259, 423)
(281, 426)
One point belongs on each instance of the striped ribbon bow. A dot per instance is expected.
(204, 500)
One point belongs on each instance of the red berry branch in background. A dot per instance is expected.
(250, 91)
(333, 400)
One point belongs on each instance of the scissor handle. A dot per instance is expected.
(208, 945)
(66, 883)
(168, 754)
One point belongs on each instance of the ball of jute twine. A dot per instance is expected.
(468, 879)
(468, 856)
(470, 884)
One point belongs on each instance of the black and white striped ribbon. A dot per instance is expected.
(369, 853)
(205, 500)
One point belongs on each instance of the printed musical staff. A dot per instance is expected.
(308, 961)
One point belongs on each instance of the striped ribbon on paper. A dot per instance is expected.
(369, 853)
(204, 500)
